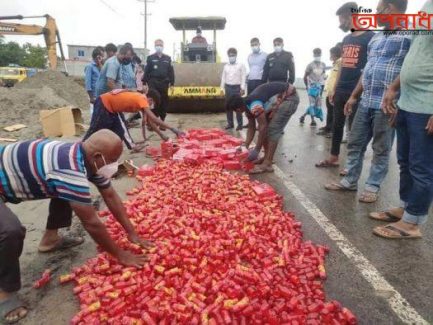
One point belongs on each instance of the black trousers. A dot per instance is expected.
(339, 121)
(253, 84)
(162, 87)
(103, 119)
(12, 235)
(329, 115)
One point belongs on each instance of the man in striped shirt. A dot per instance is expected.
(61, 171)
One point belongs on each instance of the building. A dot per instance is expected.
(84, 52)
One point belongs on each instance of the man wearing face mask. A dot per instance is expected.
(159, 75)
(61, 171)
(279, 66)
(353, 60)
(314, 79)
(110, 76)
(256, 63)
(386, 54)
(233, 83)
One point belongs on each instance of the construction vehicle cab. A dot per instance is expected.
(198, 70)
(11, 75)
(200, 51)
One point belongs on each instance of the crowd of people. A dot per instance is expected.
(380, 84)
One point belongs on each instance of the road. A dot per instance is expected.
(381, 281)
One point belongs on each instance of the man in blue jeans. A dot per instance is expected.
(413, 117)
(386, 54)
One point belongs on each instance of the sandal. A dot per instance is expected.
(9, 305)
(368, 197)
(64, 243)
(261, 170)
(327, 164)
(386, 216)
(338, 187)
(392, 232)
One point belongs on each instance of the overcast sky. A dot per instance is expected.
(304, 24)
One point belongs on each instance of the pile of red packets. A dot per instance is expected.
(205, 145)
(225, 253)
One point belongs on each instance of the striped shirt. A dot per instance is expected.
(40, 169)
(386, 54)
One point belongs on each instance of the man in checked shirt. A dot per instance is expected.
(386, 53)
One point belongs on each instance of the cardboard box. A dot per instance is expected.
(64, 121)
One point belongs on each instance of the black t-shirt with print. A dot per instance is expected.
(353, 60)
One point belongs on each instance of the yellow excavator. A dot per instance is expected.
(50, 32)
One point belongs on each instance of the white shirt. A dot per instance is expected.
(256, 61)
(234, 74)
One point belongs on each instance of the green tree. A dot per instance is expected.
(35, 56)
(11, 53)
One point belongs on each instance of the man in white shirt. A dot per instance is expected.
(256, 62)
(233, 83)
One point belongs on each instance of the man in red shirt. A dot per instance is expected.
(108, 114)
(199, 39)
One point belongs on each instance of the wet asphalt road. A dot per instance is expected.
(406, 265)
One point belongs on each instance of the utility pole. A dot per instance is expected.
(145, 14)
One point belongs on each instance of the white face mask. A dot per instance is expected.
(255, 48)
(317, 58)
(108, 170)
(232, 59)
(278, 48)
(159, 48)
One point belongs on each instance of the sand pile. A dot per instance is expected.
(45, 90)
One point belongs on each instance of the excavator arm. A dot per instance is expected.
(50, 32)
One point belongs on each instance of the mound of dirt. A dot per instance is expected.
(45, 90)
(64, 87)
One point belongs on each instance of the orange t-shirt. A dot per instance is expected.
(124, 102)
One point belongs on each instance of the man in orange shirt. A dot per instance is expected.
(108, 109)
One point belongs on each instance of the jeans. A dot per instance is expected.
(415, 157)
(12, 235)
(368, 124)
(340, 101)
(231, 90)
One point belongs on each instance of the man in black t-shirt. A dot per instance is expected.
(354, 58)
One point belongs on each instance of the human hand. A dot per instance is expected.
(331, 99)
(129, 259)
(388, 104)
(134, 238)
(429, 126)
(178, 133)
(348, 108)
(242, 92)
